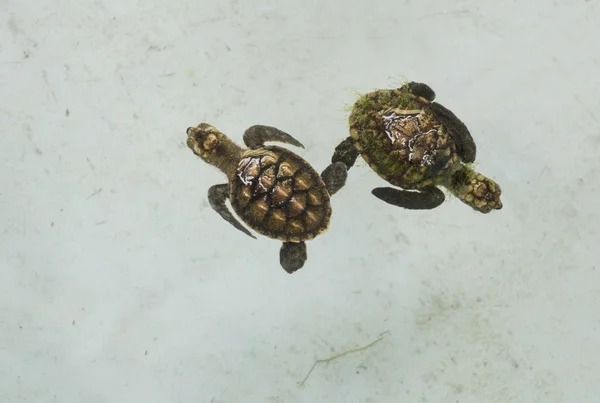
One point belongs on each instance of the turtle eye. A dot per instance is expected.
(194, 133)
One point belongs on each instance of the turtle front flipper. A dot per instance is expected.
(335, 176)
(256, 136)
(420, 90)
(346, 152)
(217, 195)
(427, 198)
(466, 148)
(292, 256)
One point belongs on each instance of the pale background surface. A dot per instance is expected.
(118, 283)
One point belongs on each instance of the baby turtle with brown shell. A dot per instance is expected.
(273, 190)
(416, 144)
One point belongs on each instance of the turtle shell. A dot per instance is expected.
(280, 195)
(400, 138)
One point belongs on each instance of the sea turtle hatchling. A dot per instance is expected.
(417, 145)
(274, 191)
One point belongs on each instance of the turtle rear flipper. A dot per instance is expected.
(292, 256)
(427, 198)
(256, 136)
(466, 148)
(420, 90)
(217, 195)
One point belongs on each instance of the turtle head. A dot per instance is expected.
(204, 140)
(475, 190)
(213, 147)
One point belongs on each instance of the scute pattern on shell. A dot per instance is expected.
(280, 195)
(400, 138)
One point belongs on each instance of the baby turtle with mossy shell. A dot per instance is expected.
(417, 145)
(271, 189)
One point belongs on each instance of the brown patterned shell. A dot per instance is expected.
(279, 195)
(401, 139)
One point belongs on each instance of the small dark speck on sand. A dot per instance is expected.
(95, 193)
